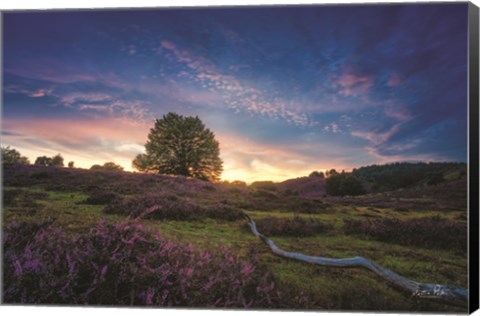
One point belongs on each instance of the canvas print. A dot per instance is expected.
(259, 157)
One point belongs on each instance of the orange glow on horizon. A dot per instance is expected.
(89, 142)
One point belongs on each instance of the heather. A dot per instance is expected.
(128, 264)
(116, 189)
(101, 197)
(171, 207)
(51, 222)
(426, 232)
(296, 226)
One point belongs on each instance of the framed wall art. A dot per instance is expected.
(280, 157)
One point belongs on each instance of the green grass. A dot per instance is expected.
(331, 288)
(64, 207)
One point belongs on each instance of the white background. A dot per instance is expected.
(65, 4)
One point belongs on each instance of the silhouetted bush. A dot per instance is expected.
(318, 174)
(13, 156)
(296, 226)
(423, 232)
(110, 166)
(43, 161)
(57, 160)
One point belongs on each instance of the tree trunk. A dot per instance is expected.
(435, 292)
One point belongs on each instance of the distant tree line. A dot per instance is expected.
(394, 176)
(13, 156)
(343, 184)
(176, 145)
(401, 175)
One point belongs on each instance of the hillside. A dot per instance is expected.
(305, 194)
(132, 231)
(393, 176)
(440, 186)
(308, 187)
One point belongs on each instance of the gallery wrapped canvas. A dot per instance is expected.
(300, 157)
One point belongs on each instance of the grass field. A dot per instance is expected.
(326, 287)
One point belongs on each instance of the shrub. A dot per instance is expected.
(40, 175)
(10, 197)
(101, 197)
(266, 194)
(239, 183)
(264, 185)
(297, 226)
(307, 206)
(110, 166)
(21, 198)
(43, 161)
(223, 211)
(57, 161)
(160, 206)
(424, 232)
(127, 264)
(171, 207)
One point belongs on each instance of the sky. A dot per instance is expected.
(286, 90)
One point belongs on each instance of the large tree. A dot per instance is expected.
(181, 145)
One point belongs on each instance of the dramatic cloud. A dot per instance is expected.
(89, 141)
(238, 95)
(285, 90)
(350, 84)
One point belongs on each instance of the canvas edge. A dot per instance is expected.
(473, 77)
(1, 167)
(473, 120)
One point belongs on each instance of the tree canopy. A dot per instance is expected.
(402, 175)
(12, 156)
(343, 184)
(317, 174)
(393, 176)
(55, 161)
(179, 145)
(107, 166)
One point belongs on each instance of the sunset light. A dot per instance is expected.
(261, 157)
(308, 93)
